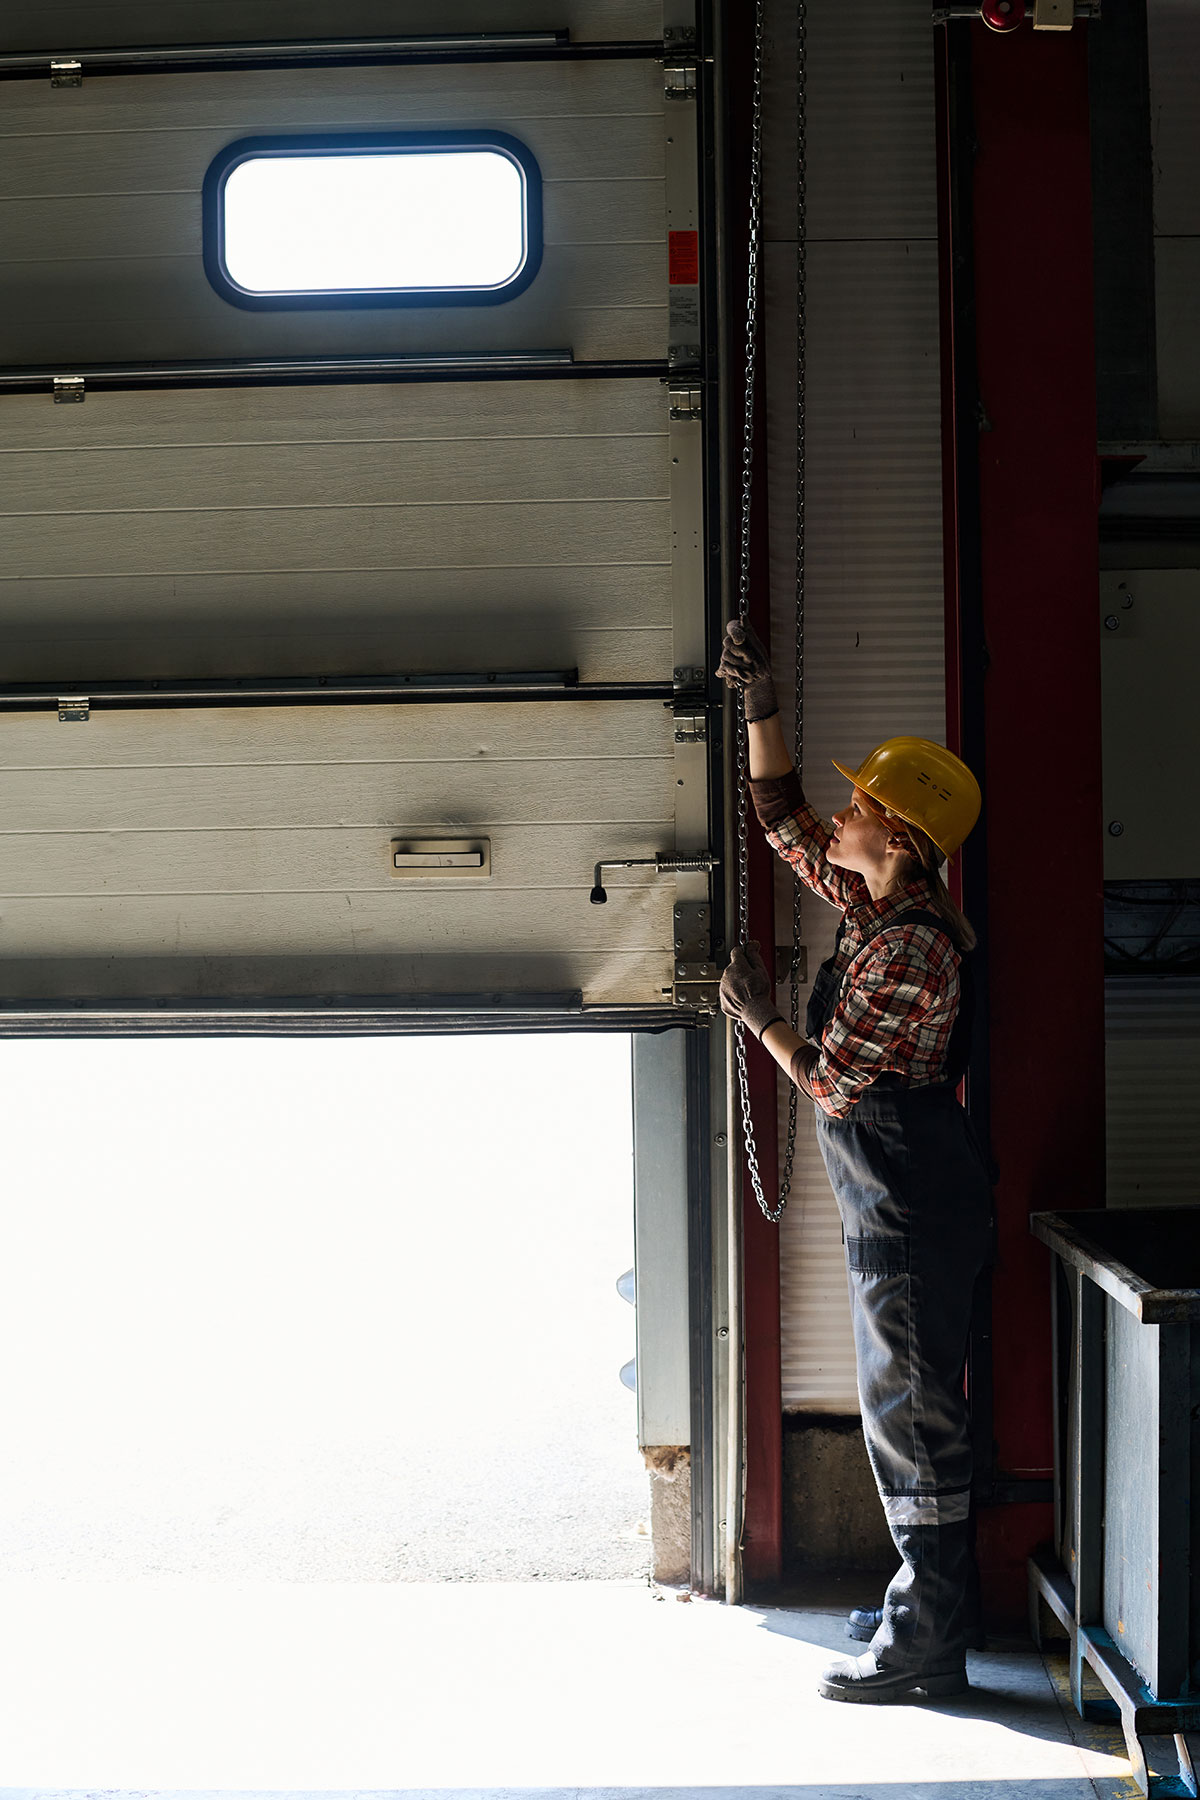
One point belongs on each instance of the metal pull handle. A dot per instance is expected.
(437, 859)
(441, 856)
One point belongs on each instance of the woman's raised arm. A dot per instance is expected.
(744, 665)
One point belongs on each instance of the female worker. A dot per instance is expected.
(886, 1047)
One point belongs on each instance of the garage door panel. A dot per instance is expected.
(313, 736)
(243, 102)
(615, 977)
(600, 801)
(218, 646)
(550, 864)
(144, 161)
(389, 474)
(499, 412)
(400, 527)
(38, 26)
(102, 259)
(591, 300)
(341, 924)
(72, 657)
(216, 541)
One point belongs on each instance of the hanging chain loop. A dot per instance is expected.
(754, 246)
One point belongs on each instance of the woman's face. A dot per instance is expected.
(861, 840)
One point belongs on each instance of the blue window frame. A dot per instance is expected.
(373, 219)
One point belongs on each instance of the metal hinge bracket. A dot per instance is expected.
(69, 390)
(691, 727)
(683, 356)
(679, 79)
(697, 985)
(74, 709)
(687, 399)
(693, 931)
(66, 71)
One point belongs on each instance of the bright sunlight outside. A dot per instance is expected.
(356, 221)
(318, 1310)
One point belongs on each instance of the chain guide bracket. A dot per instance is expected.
(771, 1211)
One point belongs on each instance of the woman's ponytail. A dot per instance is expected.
(926, 853)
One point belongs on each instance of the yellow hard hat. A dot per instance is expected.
(924, 784)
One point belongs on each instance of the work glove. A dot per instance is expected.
(746, 990)
(744, 665)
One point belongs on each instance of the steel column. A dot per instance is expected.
(1036, 419)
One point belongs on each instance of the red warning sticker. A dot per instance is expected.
(683, 258)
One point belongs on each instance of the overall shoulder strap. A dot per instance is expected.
(958, 1051)
(922, 915)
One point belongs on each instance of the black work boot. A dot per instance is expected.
(866, 1679)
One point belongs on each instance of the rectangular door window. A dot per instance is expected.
(372, 220)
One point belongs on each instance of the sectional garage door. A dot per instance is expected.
(512, 498)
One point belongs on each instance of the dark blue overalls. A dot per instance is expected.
(914, 1194)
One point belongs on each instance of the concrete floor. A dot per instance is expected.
(576, 1690)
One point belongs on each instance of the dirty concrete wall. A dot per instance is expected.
(832, 1519)
(670, 1474)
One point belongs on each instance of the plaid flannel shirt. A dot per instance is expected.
(900, 987)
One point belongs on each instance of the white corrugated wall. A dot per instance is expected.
(874, 589)
(1152, 1056)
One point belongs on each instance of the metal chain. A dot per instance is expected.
(772, 1213)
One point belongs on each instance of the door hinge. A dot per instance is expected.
(74, 709)
(697, 980)
(696, 985)
(687, 399)
(691, 727)
(69, 390)
(679, 79)
(66, 71)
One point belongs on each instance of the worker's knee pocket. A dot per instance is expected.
(878, 1255)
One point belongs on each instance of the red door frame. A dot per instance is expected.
(1039, 577)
